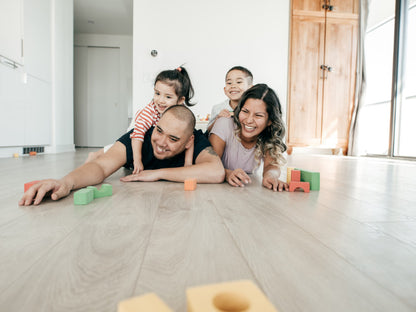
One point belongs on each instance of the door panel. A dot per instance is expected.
(100, 118)
(340, 55)
(305, 93)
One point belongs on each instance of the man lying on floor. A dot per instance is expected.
(163, 156)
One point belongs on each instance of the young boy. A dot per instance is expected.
(237, 80)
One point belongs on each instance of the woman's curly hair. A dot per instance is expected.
(270, 140)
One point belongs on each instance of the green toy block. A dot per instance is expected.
(105, 190)
(312, 177)
(83, 196)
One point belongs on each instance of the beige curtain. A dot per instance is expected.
(353, 146)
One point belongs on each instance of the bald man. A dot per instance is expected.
(163, 156)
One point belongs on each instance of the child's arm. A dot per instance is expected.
(223, 113)
(136, 146)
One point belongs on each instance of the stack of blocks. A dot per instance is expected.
(297, 178)
(231, 296)
(86, 195)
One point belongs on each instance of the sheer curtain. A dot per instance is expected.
(354, 147)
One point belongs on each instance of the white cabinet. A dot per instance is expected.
(37, 41)
(25, 92)
(12, 107)
(11, 30)
(38, 115)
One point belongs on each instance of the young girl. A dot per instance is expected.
(171, 87)
(254, 134)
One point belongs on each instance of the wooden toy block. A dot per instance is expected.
(146, 303)
(16, 155)
(297, 184)
(312, 177)
(105, 190)
(83, 196)
(29, 184)
(231, 296)
(289, 174)
(190, 185)
(32, 153)
(295, 176)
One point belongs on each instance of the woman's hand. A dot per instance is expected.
(237, 177)
(272, 182)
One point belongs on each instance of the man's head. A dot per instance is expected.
(174, 132)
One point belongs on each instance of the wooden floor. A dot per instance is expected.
(349, 247)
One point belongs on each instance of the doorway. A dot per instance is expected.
(99, 116)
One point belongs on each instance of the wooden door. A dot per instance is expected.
(305, 92)
(339, 82)
(343, 8)
(308, 7)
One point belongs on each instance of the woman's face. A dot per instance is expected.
(253, 118)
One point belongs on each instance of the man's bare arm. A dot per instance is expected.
(91, 173)
(208, 168)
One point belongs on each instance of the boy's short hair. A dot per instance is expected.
(248, 73)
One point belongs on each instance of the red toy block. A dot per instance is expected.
(294, 185)
(190, 185)
(295, 176)
(29, 184)
(32, 153)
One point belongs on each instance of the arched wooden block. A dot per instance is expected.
(295, 185)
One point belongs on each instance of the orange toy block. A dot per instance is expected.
(29, 184)
(303, 185)
(190, 185)
(289, 174)
(231, 296)
(295, 176)
(32, 153)
(147, 303)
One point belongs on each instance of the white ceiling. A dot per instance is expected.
(111, 17)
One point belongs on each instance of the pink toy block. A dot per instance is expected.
(29, 184)
(295, 185)
(190, 185)
(295, 176)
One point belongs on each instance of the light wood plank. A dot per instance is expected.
(288, 258)
(189, 246)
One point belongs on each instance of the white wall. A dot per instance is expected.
(62, 76)
(209, 37)
(125, 43)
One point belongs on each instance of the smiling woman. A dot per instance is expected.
(254, 135)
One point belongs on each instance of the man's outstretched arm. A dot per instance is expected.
(91, 173)
(208, 168)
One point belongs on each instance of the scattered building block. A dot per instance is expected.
(32, 153)
(190, 185)
(29, 184)
(289, 174)
(16, 155)
(231, 296)
(295, 185)
(83, 196)
(312, 177)
(105, 190)
(146, 303)
(295, 175)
